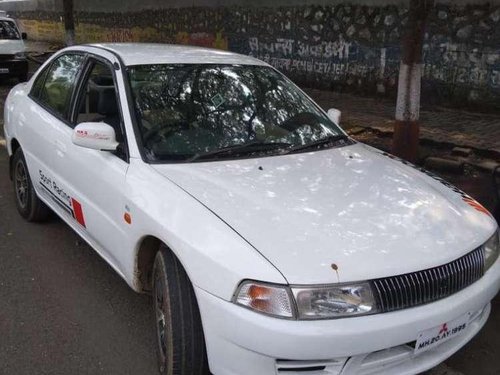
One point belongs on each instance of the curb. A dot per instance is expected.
(445, 165)
(385, 132)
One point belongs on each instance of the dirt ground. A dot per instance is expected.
(63, 310)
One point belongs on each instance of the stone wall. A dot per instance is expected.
(350, 47)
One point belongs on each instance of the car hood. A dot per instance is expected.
(369, 215)
(11, 46)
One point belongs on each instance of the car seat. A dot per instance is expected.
(107, 108)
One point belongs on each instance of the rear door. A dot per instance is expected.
(48, 109)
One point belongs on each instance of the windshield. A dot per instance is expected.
(192, 111)
(8, 30)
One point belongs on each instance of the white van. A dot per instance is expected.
(13, 61)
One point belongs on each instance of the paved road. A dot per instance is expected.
(63, 310)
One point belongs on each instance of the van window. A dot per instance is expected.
(8, 30)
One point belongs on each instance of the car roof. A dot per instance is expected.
(156, 53)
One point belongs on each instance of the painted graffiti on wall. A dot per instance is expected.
(462, 51)
(333, 50)
(336, 60)
(341, 61)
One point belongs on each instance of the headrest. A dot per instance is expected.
(107, 104)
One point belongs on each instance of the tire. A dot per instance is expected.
(179, 332)
(27, 202)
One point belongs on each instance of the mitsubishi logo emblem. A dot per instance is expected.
(444, 329)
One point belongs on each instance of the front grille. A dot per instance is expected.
(418, 288)
(4, 57)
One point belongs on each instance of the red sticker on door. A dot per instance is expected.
(78, 212)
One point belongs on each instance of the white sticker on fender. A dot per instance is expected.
(433, 337)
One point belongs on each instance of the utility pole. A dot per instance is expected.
(69, 22)
(406, 129)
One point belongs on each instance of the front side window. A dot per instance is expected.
(8, 30)
(99, 99)
(59, 83)
(189, 111)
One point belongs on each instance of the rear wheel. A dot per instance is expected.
(181, 344)
(27, 202)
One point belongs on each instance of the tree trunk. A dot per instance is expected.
(69, 22)
(406, 130)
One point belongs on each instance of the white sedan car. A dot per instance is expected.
(271, 242)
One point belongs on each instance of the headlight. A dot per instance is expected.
(307, 303)
(265, 298)
(335, 301)
(490, 251)
(20, 55)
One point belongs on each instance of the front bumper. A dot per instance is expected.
(240, 341)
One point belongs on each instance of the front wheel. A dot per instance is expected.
(181, 344)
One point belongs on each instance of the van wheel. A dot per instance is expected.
(180, 341)
(27, 202)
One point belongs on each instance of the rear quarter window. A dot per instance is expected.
(38, 84)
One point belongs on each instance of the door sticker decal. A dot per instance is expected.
(78, 212)
(63, 200)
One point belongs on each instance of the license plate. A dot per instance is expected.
(4, 70)
(433, 337)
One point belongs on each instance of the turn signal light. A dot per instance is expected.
(265, 298)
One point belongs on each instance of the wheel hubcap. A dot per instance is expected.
(21, 179)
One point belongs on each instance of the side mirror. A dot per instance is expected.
(95, 135)
(334, 115)
(24, 36)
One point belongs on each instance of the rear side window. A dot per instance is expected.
(58, 83)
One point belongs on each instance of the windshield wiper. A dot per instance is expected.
(246, 148)
(331, 140)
